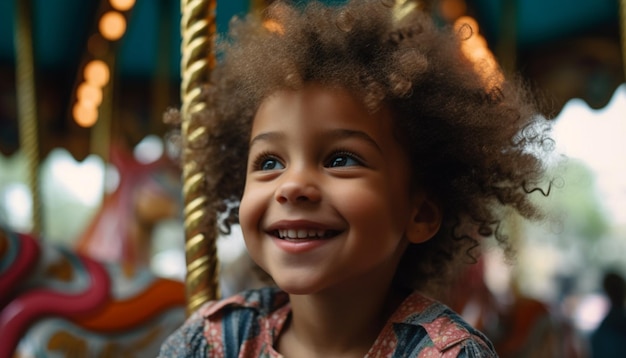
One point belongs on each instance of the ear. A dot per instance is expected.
(425, 219)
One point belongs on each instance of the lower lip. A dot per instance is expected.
(300, 246)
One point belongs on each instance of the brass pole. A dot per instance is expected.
(198, 28)
(27, 104)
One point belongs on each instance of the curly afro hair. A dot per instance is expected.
(476, 148)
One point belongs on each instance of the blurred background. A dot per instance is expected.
(86, 160)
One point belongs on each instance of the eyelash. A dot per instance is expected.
(256, 165)
(344, 152)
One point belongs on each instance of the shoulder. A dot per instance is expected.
(188, 340)
(426, 327)
(231, 317)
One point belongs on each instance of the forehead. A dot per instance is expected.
(328, 106)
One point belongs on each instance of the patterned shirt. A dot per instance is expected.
(248, 325)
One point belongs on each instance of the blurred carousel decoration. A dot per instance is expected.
(56, 301)
(99, 298)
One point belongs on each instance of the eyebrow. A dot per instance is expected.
(349, 133)
(334, 134)
(266, 137)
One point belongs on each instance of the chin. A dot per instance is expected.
(298, 287)
(295, 288)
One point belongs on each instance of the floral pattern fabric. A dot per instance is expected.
(248, 325)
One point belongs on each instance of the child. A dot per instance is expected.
(377, 157)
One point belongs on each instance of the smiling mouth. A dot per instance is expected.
(304, 234)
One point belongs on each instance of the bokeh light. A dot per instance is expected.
(122, 5)
(97, 73)
(149, 150)
(274, 26)
(475, 48)
(89, 95)
(17, 200)
(112, 25)
(83, 115)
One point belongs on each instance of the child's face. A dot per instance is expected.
(327, 200)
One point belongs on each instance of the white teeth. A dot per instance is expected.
(301, 233)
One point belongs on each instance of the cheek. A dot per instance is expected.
(250, 209)
(248, 220)
(374, 208)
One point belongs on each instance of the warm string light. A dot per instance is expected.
(473, 45)
(111, 27)
(97, 73)
(475, 48)
(122, 5)
(89, 93)
(274, 26)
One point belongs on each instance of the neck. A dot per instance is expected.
(344, 322)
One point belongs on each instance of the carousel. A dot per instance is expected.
(143, 250)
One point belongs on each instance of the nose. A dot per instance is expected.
(298, 186)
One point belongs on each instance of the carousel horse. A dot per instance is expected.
(56, 302)
(98, 299)
(121, 230)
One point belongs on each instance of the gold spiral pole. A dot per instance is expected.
(27, 104)
(197, 28)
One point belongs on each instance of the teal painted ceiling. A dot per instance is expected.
(62, 27)
(543, 21)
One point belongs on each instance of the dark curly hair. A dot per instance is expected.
(476, 148)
